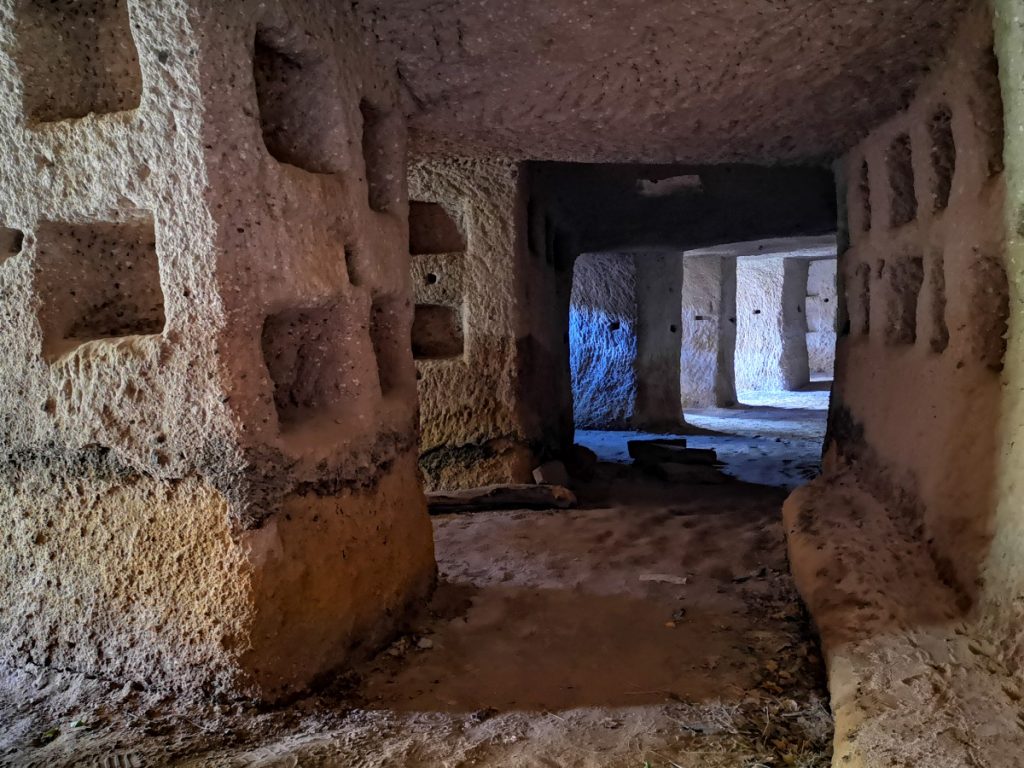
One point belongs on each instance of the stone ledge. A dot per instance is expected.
(913, 681)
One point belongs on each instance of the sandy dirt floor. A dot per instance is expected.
(655, 626)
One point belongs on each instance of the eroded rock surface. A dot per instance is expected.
(668, 81)
(208, 431)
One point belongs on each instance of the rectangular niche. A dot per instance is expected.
(383, 152)
(76, 57)
(986, 103)
(858, 300)
(390, 343)
(314, 359)
(97, 281)
(943, 154)
(432, 230)
(11, 241)
(989, 309)
(938, 330)
(300, 113)
(436, 332)
(902, 196)
(905, 277)
(864, 193)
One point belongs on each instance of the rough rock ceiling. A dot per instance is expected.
(694, 81)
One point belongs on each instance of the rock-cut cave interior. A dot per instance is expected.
(515, 384)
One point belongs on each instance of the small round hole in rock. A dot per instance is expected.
(430, 279)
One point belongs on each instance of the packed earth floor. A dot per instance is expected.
(656, 625)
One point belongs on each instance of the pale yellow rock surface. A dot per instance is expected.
(898, 549)
(483, 413)
(190, 214)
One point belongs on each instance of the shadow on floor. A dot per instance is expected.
(681, 594)
(656, 624)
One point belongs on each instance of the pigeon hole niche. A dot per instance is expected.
(289, 89)
(315, 357)
(76, 57)
(390, 343)
(11, 243)
(902, 278)
(97, 281)
(902, 196)
(435, 237)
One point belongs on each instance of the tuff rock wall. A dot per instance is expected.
(209, 441)
(707, 363)
(771, 343)
(907, 548)
(820, 305)
(917, 396)
(659, 278)
(625, 335)
(603, 340)
(490, 333)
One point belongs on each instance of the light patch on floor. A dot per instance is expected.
(774, 438)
